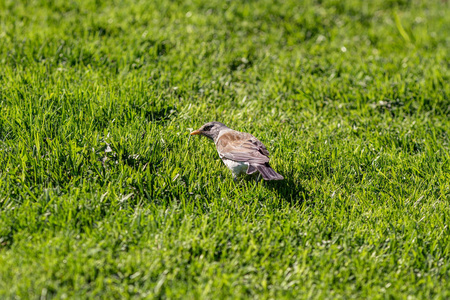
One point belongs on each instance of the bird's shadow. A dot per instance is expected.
(290, 190)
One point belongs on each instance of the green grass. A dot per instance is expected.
(104, 195)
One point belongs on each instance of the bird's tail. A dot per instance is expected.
(268, 173)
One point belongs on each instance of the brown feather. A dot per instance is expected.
(242, 146)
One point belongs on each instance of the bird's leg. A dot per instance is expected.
(258, 178)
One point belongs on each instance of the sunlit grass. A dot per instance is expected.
(103, 194)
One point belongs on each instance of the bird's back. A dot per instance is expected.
(241, 146)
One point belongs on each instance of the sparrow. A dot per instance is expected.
(240, 151)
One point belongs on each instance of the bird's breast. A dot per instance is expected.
(236, 167)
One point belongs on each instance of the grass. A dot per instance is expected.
(104, 195)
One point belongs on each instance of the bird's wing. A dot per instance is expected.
(241, 146)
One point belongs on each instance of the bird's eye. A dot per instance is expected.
(208, 128)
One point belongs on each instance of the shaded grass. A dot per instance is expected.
(103, 194)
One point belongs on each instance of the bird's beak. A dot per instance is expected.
(196, 132)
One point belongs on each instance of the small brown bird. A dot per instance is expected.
(240, 151)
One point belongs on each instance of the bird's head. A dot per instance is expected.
(210, 130)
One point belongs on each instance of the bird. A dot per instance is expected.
(241, 152)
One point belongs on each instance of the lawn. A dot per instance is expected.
(103, 193)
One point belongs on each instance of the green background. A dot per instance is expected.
(104, 195)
